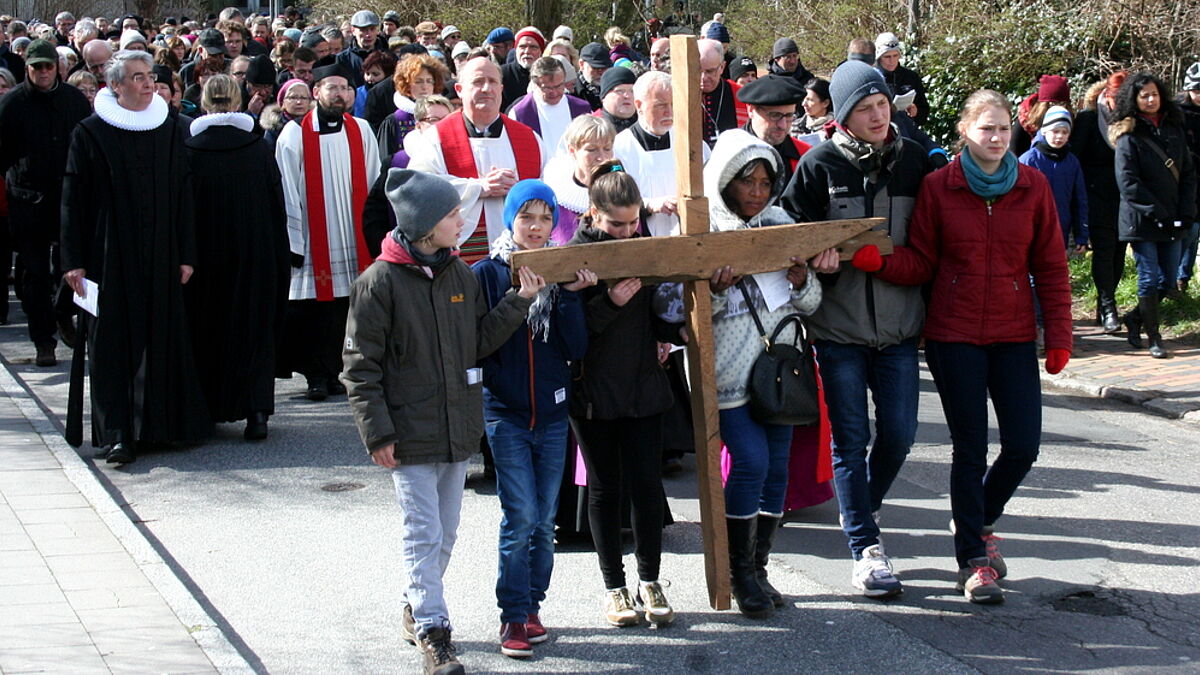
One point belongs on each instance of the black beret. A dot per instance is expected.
(260, 70)
(335, 69)
(772, 90)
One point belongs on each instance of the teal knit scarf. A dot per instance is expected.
(989, 186)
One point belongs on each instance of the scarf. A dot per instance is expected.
(869, 159)
(539, 312)
(989, 186)
(1056, 154)
(434, 261)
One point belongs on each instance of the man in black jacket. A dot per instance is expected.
(899, 79)
(36, 120)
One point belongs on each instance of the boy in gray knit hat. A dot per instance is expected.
(417, 325)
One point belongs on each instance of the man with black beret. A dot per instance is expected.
(323, 209)
(772, 101)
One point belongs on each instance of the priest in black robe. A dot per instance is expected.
(127, 225)
(239, 293)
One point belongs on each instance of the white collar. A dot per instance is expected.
(560, 176)
(110, 111)
(404, 103)
(547, 106)
(226, 119)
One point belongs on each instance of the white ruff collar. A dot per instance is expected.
(110, 111)
(404, 103)
(560, 176)
(227, 119)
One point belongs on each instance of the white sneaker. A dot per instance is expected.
(653, 601)
(873, 574)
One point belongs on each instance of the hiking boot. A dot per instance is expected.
(439, 653)
(45, 356)
(993, 552)
(618, 608)
(408, 625)
(873, 574)
(514, 641)
(977, 582)
(654, 602)
(535, 631)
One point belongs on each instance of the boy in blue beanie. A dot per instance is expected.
(526, 391)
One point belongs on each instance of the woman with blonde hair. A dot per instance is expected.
(237, 304)
(589, 143)
(980, 327)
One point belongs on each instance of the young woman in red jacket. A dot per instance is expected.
(982, 226)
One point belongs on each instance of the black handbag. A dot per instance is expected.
(783, 380)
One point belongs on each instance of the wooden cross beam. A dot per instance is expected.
(692, 257)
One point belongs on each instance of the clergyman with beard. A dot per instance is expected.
(328, 163)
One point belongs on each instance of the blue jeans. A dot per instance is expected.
(1157, 263)
(1187, 260)
(430, 498)
(758, 476)
(966, 375)
(529, 467)
(891, 374)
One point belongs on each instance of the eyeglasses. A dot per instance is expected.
(551, 87)
(238, 73)
(337, 88)
(777, 117)
(43, 66)
(431, 119)
(292, 97)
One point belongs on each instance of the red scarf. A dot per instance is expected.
(314, 191)
(460, 162)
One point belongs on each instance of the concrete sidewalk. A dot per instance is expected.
(81, 590)
(1107, 367)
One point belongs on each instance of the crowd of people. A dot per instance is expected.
(240, 199)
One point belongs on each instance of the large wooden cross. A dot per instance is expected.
(693, 257)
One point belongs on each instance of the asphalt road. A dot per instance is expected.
(1101, 543)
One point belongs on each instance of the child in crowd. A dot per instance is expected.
(617, 407)
(526, 389)
(418, 323)
(1049, 154)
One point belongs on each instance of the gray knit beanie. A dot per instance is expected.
(419, 200)
(852, 82)
(784, 46)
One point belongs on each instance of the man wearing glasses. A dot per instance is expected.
(771, 103)
(324, 208)
(96, 53)
(548, 109)
(36, 119)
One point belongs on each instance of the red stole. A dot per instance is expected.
(314, 192)
(460, 162)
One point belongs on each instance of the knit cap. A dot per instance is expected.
(852, 82)
(524, 191)
(1054, 88)
(420, 200)
(886, 42)
(784, 46)
(1055, 116)
(533, 32)
(718, 32)
(614, 77)
(1191, 78)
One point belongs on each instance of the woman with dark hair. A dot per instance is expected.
(818, 109)
(1157, 182)
(1052, 90)
(617, 403)
(377, 67)
(415, 76)
(1089, 142)
(743, 174)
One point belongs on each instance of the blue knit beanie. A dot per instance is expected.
(852, 82)
(524, 191)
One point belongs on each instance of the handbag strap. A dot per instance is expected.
(762, 332)
(1166, 160)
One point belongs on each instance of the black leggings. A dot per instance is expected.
(624, 456)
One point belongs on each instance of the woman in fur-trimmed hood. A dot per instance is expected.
(1157, 182)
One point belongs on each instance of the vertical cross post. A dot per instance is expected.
(693, 219)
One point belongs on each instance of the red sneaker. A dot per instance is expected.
(535, 631)
(514, 642)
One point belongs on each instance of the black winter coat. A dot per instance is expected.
(901, 81)
(1151, 196)
(1089, 142)
(621, 375)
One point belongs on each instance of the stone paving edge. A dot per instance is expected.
(1149, 401)
(203, 628)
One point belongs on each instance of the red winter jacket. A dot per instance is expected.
(980, 258)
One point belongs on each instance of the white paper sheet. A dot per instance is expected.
(90, 303)
(775, 288)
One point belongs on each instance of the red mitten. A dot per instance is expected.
(868, 259)
(1056, 360)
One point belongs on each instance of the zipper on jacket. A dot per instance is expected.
(987, 255)
(532, 392)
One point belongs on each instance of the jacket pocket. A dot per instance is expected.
(417, 414)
